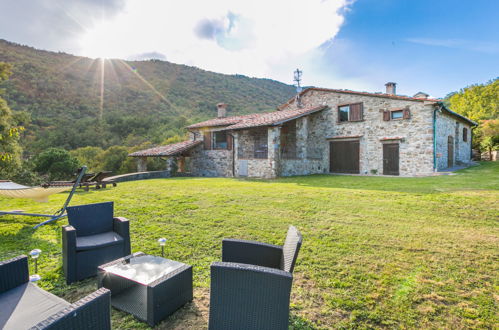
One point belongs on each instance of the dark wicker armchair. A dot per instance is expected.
(251, 288)
(92, 238)
(23, 305)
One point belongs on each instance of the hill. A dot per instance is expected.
(138, 100)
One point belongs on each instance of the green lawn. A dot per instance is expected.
(377, 252)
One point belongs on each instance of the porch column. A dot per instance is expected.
(274, 148)
(235, 149)
(301, 137)
(142, 164)
(171, 165)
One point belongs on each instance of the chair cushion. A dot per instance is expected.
(27, 305)
(91, 219)
(98, 241)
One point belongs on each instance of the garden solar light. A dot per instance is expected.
(35, 254)
(162, 242)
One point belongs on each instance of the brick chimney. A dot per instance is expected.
(221, 110)
(391, 88)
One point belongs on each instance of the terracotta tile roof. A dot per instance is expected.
(274, 118)
(347, 91)
(222, 121)
(168, 150)
(257, 119)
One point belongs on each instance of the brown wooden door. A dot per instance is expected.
(391, 159)
(344, 157)
(450, 151)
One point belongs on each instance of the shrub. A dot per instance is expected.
(57, 164)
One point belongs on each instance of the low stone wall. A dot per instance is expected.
(290, 167)
(138, 176)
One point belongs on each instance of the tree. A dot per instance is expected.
(58, 164)
(489, 130)
(114, 158)
(481, 104)
(10, 151)
(477, 102)
(89, 156)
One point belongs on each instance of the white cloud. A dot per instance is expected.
(260, 38)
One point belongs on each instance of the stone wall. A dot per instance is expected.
(449, 126)
(211, 163)
(244, 155)
(414, 135)
(138, 176)
(311, 148)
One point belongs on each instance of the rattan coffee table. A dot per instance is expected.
(149, 287)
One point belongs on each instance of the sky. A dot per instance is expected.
(436, 46)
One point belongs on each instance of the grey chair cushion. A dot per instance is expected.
(290, 249)
(98, 241)
(26, 305)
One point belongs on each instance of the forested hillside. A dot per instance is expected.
(69, 107)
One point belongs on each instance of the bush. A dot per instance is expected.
(89, 156)
(57, 164)
(114, 159)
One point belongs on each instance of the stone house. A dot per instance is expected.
(326, 131)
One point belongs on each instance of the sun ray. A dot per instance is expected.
(102, 74)
(148, 84)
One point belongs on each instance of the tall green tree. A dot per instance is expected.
(489, 135)
(10, 151)
(481, 104)
(477, 102)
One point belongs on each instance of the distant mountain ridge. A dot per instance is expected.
(142, 100)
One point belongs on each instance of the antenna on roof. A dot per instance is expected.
(297, 79)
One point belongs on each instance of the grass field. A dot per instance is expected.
(377, 252)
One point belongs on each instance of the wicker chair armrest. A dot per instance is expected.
(69, 253)
(92, 312)
(251, 252)
(121, 226)
(13, 272)
(243, 295)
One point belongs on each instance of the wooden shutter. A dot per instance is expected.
(407, 113)
(230, 141)
(356, 112)
(386, 115)
(207, 140)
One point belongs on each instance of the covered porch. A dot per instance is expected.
(175, 155)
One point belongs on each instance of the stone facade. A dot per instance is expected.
(448, 128)
(246, 165)
(414, 135)
(211, 163)
(309, 151)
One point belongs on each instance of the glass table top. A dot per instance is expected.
(144, 269)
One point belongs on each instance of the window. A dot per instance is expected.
(350, 112)
(260, 143)
(219, 140)
(396, 114)
(343, 112)
(399, 114)
(465, 134)
(253, 144)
